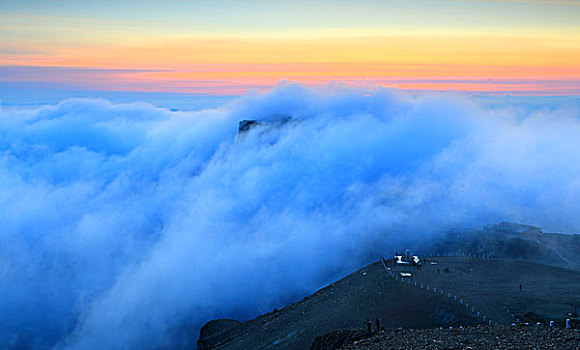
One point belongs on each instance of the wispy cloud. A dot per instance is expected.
(235, 79)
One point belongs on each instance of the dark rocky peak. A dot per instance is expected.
(246, 125)
(514, 227)
(273, 121)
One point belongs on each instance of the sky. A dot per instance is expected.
(62, 48)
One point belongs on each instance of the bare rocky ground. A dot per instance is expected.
(479, 337)
(486, 269)
(347, 303)
(487, 286)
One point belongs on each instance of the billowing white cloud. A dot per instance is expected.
(123, 226)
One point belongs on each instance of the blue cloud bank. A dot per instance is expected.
(125, 226)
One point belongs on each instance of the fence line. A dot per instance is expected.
(478, 314)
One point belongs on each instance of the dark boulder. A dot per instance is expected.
(216, 333)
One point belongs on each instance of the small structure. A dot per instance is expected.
(407, 258)
(400, 259)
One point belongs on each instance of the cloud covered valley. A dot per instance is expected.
(126, 226)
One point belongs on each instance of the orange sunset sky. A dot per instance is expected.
(227, 47)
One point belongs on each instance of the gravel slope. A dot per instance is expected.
(481, 337)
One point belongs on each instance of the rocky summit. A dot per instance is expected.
(456, 292)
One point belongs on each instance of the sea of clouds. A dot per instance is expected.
(125, 226)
